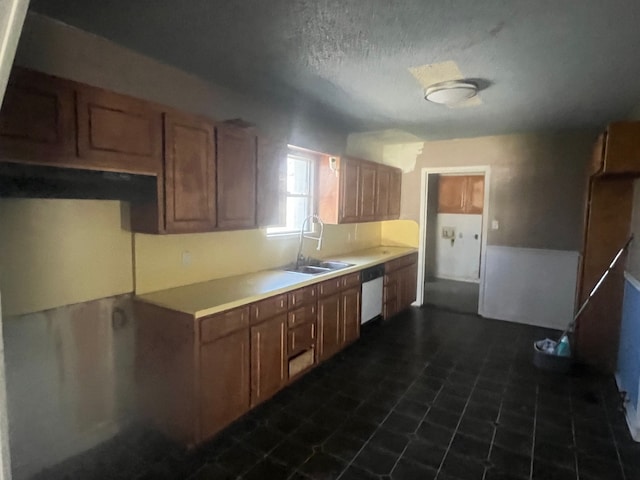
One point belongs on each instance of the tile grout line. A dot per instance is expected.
(573, 432)
(613, 435)
(497, 423)
(391, 410)
(455, 432)
(421, 422)
(535, 426)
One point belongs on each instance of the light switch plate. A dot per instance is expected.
(495, 225)
(186, 258)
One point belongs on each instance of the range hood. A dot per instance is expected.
(34, 181)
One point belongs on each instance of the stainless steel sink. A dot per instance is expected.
(318, 268)
(335, 265)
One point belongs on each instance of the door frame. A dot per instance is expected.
(424, 185)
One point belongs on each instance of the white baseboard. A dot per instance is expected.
(528, 285)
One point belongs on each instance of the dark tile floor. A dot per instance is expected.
(452, 295)
(429, 394)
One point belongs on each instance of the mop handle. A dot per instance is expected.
(604, 275)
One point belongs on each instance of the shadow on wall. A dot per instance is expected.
(70, 380)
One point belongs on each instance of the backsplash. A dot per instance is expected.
(166, 261)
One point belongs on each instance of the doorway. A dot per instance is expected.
(453, 231)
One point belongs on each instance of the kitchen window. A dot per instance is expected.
(299, 196)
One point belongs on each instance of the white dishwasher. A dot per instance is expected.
(372, 285)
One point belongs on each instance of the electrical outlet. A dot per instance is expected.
(186, 259)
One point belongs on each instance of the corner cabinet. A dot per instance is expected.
(357, 191)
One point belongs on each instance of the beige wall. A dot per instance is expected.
(59, 252)
(158, 259)
(537, 184)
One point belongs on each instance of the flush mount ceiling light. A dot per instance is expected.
(451, 92)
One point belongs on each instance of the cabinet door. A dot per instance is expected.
(37, 120)
(383, 181)
(271, 188)
(474, 194)
(349, 191)
(224, 381)
(451, 190)
(395, 190)
(190, 174)
(236, 177)
(367, 196)
(408, 286)
(268, 358)
(390, 295)
(350, 315)
(329, 331)
(118, 133)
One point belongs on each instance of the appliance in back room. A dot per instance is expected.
(372, 285)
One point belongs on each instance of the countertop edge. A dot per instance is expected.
(306, 281)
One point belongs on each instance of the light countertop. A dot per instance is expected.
(214, 296)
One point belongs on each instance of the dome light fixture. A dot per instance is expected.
(451, 92)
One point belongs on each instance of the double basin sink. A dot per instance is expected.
(318, 267)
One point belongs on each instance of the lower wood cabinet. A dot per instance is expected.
(338, 315)
(268, 358)
(350, 315)
(400, 284)
(224, 381)
(197, 375)
(329, 321)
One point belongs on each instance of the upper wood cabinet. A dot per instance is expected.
(118, 133)
(349, 199)
(367, 189)
(37, 120)
(618, 150)
(461, 194)
(395, 191)
(189, 173)
(271, 187)
(383, 182)
(236, 193)
(357, 191)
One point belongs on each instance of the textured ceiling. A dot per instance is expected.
(545, 64)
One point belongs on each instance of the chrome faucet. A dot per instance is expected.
(300, 258)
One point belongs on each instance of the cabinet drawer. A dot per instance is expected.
(330, 287)
(401, 262)
(301, 338)
(302, 315)
(302, 296)
(351, 280)
(268, 308)
(222, 324)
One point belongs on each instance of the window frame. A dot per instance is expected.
(312, 159)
